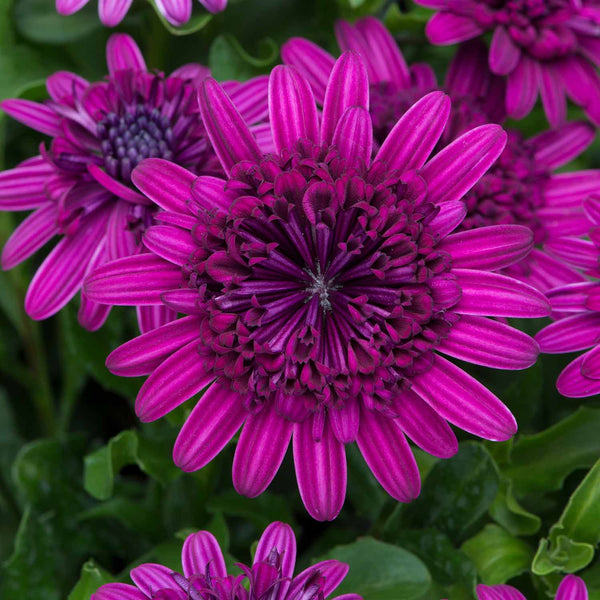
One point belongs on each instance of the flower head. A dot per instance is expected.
(544, 47)
(570, 588)
(521, 187)
(320, 284)
(205, 577)
(112, 12)
(578, 304)
(80, 186)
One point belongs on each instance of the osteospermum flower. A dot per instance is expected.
(579, 305)
(321, 286)
(112, 12)
(521, 187)
(570, 588)
(548, 48)
(80, 187)
(205, 577)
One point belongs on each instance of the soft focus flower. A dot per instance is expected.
(319, 284)
(521, 188)
(570, 588)
(112, 12)
(549, 48)
(80, 187)
(271, 576)
(579, 303)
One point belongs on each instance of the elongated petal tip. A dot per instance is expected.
(123, 53)
(572, 588)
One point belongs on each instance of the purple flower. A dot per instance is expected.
(544, 47)
(521, 188)
(80, 186)
(112, 12)
(570, 588)
(271, 576)
(579, 306)
(319, 284)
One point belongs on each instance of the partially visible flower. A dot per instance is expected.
(521, 188)
(579, 329)
(112, 12)
(321, 286)
(205, 577)
(549, 48)
(80, 187)
(570, 588)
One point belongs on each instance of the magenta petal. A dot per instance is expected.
(212, 423)
(424, 426)
(280, 537)
(415, 135)
(522, 88)
(111, 12)
(171, 243)
(200, 552)
(573, 297)
(332, 570)
(498, 592)
(457, 168)
(553, 95)
(576, 332)
(574, 250)
(345, 420)
(555, 148)
(348, 86)
(143, 354)
(178, 378)
(260, 450)
(33, 114)
(153, 317)
(490, 343)
(312, 61)
(116, 187)
(590, 366)
(151, 577)
(447, 28)
(354, 137)
(292, 109)
(214, 6)
(63, 84)
(177, 12)
(489, 248)
(388, 455)
(24, 187)
(572, 588)
(491, 294)
(573, 384)
(123, 53)
(504, 53)
(450, 216)
(463, 401)
(250, 98)
(227, 130)
(132, 280)
(118, 591)
(68, 7)
(320, 470)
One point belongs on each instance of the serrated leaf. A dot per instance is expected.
(380, 571)
(126, 448)
(564, 556)
(497, 555)
(92, 577)
(541, 462)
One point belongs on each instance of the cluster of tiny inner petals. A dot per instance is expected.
(511, 192)
(322, 282)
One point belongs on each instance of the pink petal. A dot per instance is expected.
(24, 187)
(151, 577)
(388, 455)
(177, 12)
(504, 53)
(171, 243)
(212, 423)
(123, 53)
(522, 88)
(574, 250)
(214, 6)
(261, 448)
(555, 148)
(68, 7)
(118, 591)
(116, 187)
(92, 315)
(111, 12)
(572, 297)
(153, 317)
(62, 84)
(280, 537)
(35, 115)
(250, 98)
(553, 95)
(333, 571)
(447, 28)
(449, 217)
(575, 332)
(573, 384)
(572, 588)
(345, 420)
(498, 592)
(320, 470)
(463, 401)
(354, 137)
(200, 552)
(590, 366)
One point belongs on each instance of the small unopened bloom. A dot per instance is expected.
(204, 575)
(321, 284)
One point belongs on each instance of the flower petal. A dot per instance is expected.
(522, 88)
(151, 577)
(504, 53)
(572, 588)
(24, 187)
(33, 114)
(200, 552)
(575, 332)
(118, 591)
(111, 12)
(354, 137)
(171, 243)
(573, 384)
(445, 28)
(498, 592)
(280, 537)
(123, 53)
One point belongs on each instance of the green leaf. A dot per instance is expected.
(380, 571)
(92, 577)
(126, 448)
(497, 554)
(541, 462)
(563, 556)
(510, 514)
(38, 21)
(456, 493)
(228, 59)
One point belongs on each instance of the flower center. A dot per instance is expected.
(321, 282)
(125, 140)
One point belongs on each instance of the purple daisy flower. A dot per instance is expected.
(521, 188)
(80, 187)
(205, 577)
(579, 303)
(112, 12)
(320, 283)
(570, 588)
(549, 48)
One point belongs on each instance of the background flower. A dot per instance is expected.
(570, 588)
